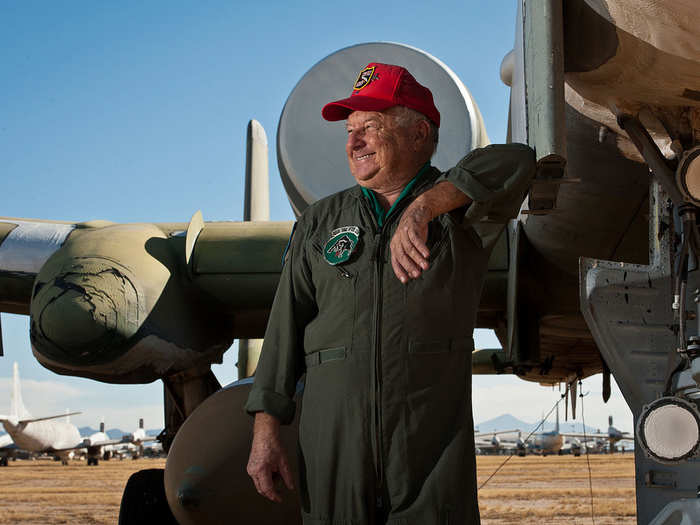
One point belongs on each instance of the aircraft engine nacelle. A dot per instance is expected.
(115, 304)
(205, 475)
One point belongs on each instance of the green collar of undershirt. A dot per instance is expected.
(379, 212)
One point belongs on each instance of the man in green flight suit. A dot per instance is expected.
(376, 304)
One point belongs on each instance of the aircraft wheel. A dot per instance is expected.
(143, 501)
(3, 462)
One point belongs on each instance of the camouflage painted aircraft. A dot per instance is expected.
(592, 277)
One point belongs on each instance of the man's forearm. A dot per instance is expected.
(409, 253)
(441, 198)
(266, 425)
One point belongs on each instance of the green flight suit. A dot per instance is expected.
(386, 432)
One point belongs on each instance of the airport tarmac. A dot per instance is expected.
(530, 490)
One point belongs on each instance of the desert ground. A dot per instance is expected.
(533, 489)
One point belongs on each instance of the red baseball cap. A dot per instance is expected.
(382, 86)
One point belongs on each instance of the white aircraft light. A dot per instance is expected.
(669, 429)
(688, 175)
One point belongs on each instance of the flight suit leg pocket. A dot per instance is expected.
(436, 398)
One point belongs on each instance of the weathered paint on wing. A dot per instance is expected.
(27, 246)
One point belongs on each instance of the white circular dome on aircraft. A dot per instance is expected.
(311, 150)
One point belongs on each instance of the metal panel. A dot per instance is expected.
(537, 106)
(27, 247)
(628, 309)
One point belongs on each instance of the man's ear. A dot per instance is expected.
(421, 134)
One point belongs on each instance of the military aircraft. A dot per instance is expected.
(583, 282)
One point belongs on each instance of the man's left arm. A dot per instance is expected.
(494, 178)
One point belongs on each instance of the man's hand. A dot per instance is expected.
(268, 459)
(409, 252)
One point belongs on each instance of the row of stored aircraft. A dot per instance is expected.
(56, 435)
(550, 442)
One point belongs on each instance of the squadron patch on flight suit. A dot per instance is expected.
(341, 244)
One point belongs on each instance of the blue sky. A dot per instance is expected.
(137, 112)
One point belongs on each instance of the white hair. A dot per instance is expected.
(407, 117)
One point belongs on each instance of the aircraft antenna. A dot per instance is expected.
(556, 406)
(588, 461)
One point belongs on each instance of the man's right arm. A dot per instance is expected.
(268, 458)
(280, 366)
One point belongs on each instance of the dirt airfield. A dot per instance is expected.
(533, 489)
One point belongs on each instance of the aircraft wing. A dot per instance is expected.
(496, 433)
(86, 443)
(503, 445)
(46, 418)
(578, 435)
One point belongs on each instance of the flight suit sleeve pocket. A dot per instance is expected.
(325, 355)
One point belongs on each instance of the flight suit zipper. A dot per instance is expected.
(378, 256)
(379, 460)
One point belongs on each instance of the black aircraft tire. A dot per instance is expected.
(143, 501)
(3, 462)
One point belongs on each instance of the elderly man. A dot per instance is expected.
(376, 304)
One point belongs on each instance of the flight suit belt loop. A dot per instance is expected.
(329, 354)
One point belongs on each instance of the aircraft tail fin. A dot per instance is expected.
(17, 409)
(141, 422)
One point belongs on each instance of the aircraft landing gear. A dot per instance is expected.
(143, 501)
(3, 461)
(92, 461)
(637, 315)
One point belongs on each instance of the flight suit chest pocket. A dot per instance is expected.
(336, 301)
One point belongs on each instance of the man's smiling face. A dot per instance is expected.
(380, 151)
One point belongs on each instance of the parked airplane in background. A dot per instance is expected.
(137, 439)
(556, 442)
(46, 434)
(7, 449)
(495, 444)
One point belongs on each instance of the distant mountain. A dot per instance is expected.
(509, 422)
